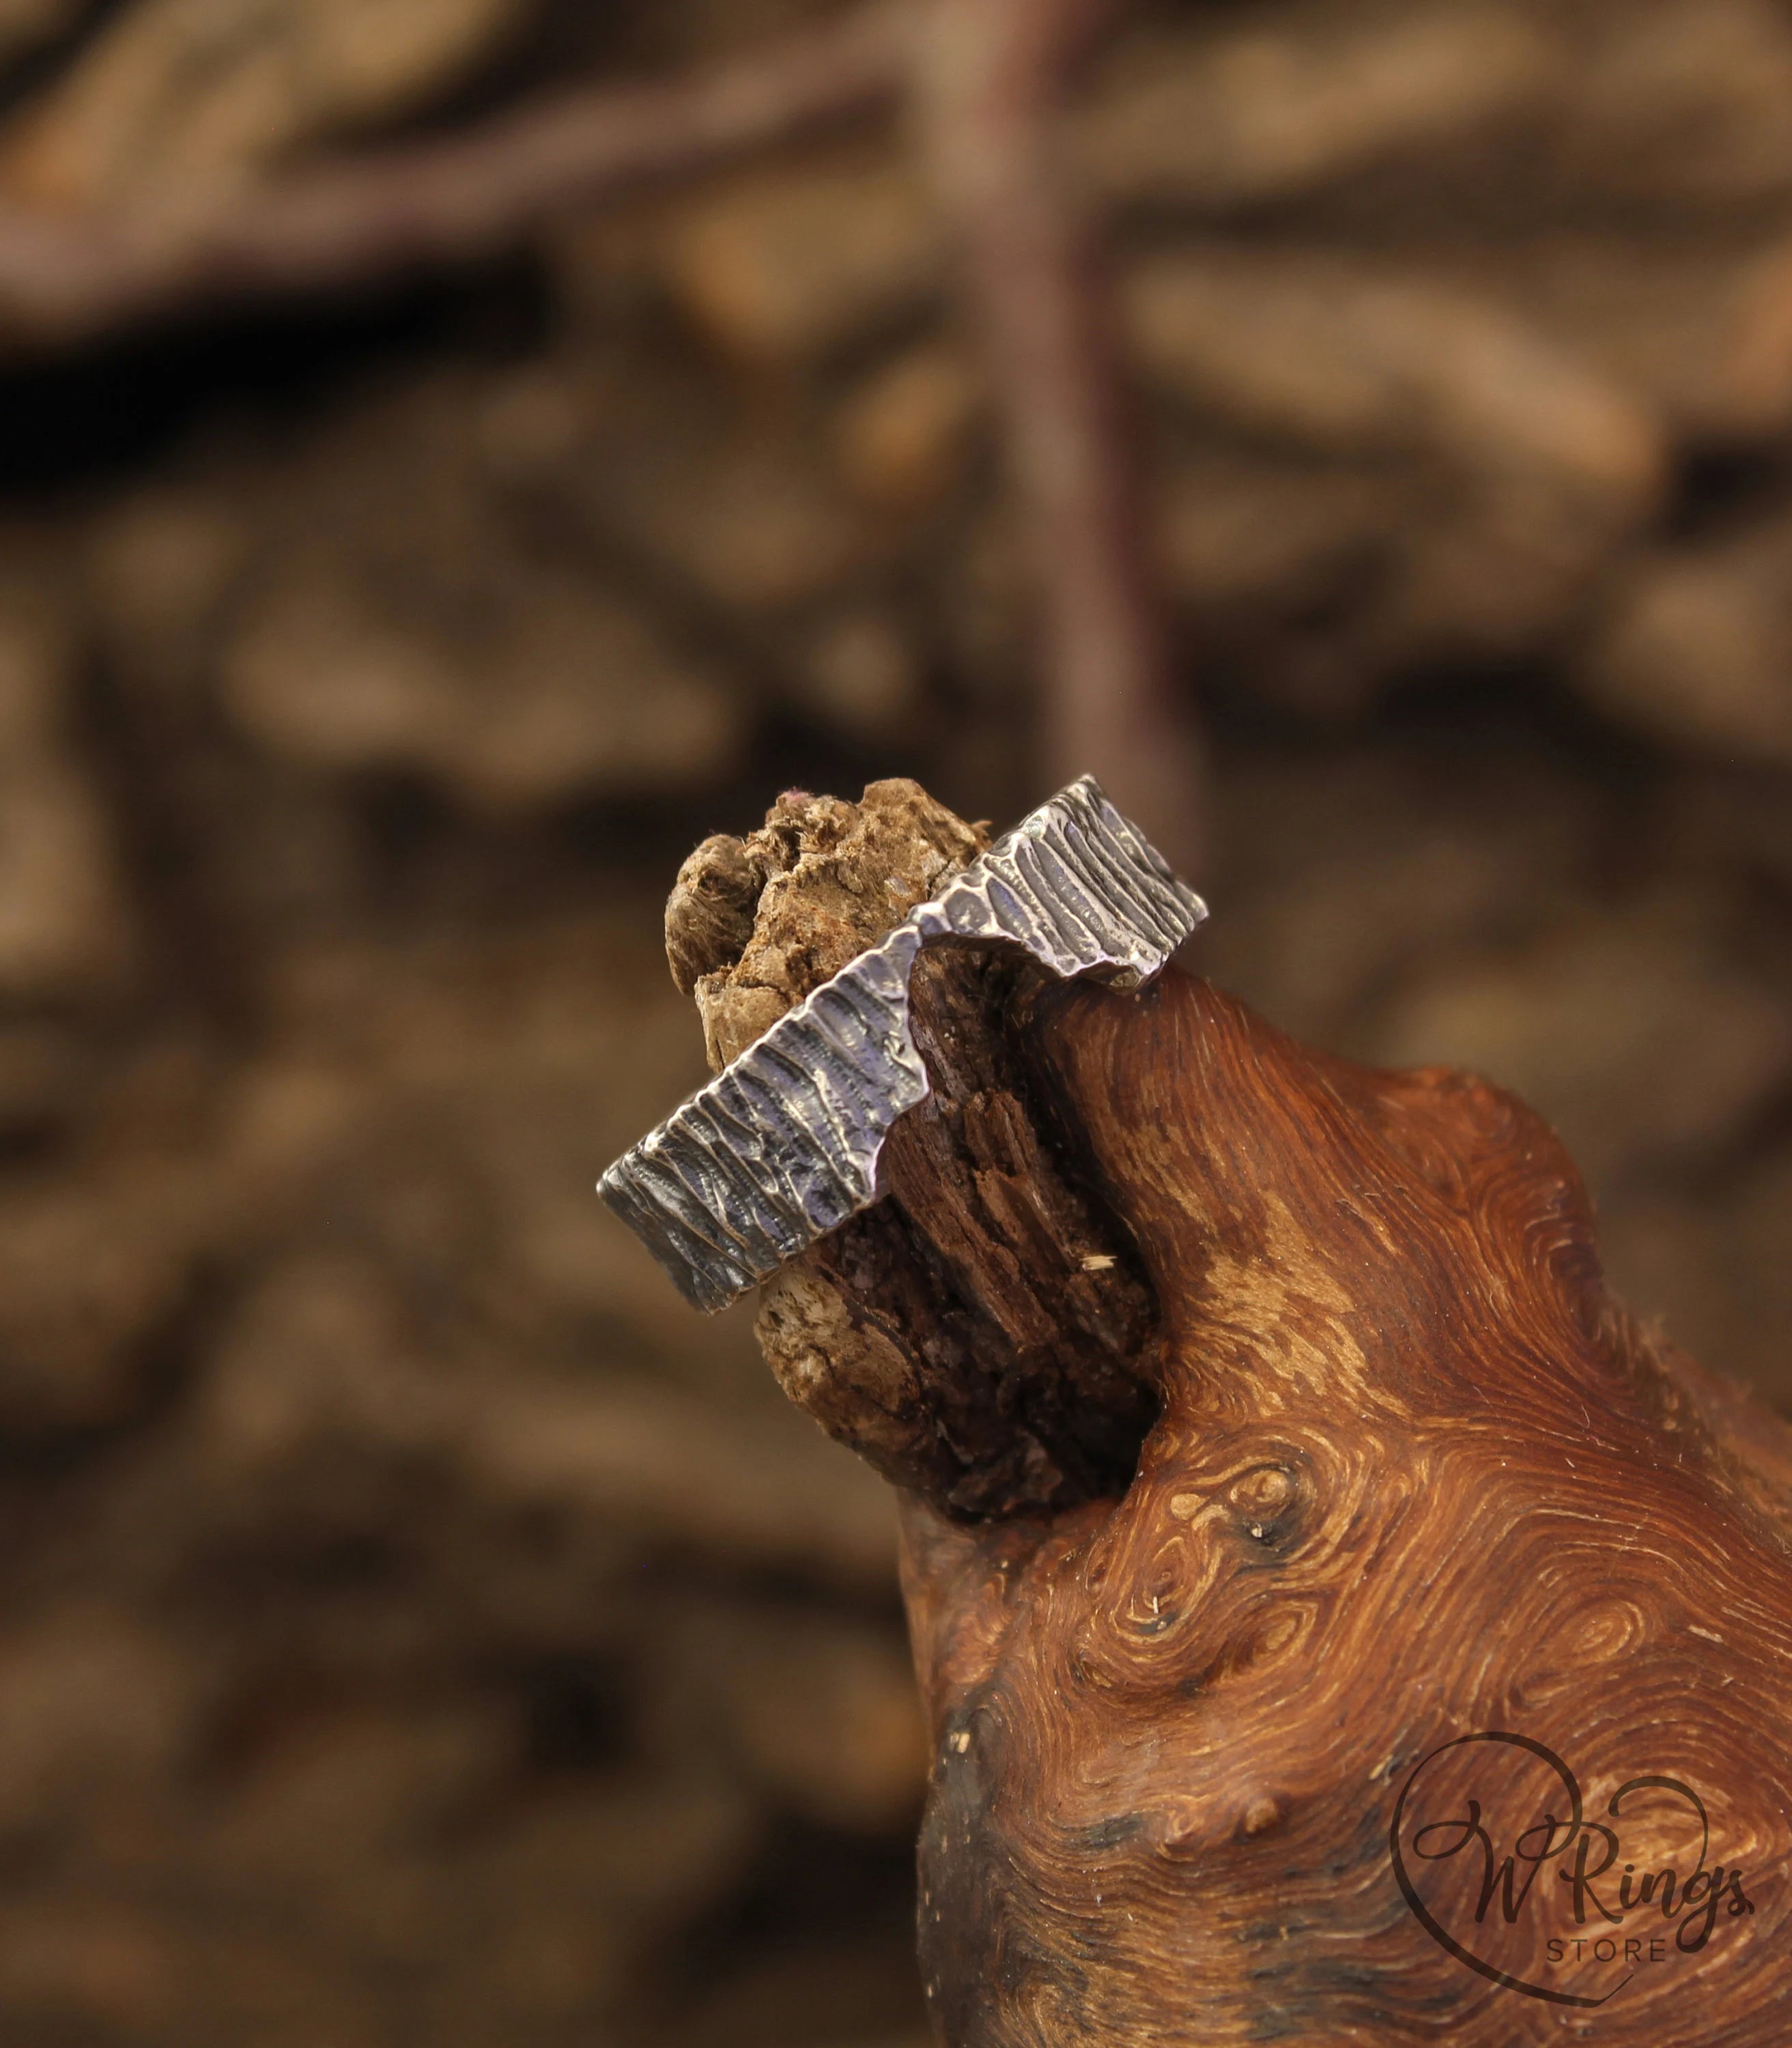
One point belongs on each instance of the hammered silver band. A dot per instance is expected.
(782, 1147)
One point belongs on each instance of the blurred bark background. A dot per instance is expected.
(456, 453)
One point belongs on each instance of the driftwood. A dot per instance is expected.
(1265, 1429)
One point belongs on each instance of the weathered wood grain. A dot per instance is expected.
(1398, 1471)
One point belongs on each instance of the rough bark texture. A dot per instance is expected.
(753, 925)
(977, 1334)
(1413, 1475)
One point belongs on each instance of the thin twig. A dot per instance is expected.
(990, 76)
(459, 198)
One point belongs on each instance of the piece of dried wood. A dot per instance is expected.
(976, 1333)
(1352, 1455)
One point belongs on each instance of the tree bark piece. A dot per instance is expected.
(1349, 1455)
(975, 1334)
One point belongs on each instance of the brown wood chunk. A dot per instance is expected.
(1266, 1428)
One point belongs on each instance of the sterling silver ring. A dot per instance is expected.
(782, 1147)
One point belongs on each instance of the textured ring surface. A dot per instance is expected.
(783, 1146)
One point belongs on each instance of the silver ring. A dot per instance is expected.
(782, 1147)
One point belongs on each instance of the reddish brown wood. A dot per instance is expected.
(1414, 1476)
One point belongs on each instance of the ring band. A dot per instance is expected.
(782, 1147)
